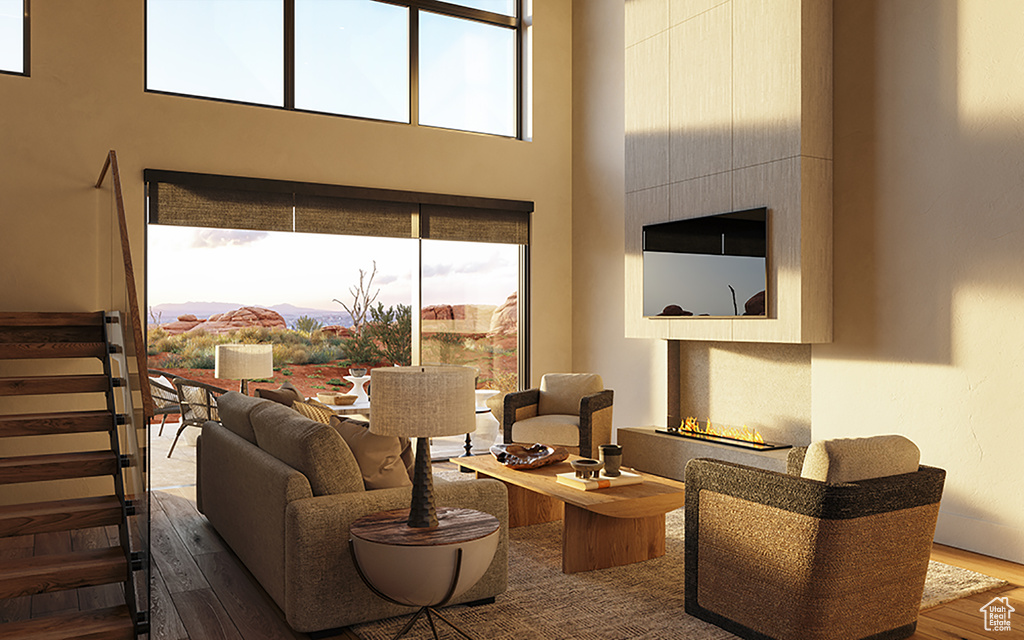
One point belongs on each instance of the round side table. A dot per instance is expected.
(359, 388)
(423, 567)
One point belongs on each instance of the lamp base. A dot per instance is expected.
(422, 512)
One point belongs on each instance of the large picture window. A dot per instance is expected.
(336, 278)
(14, 33)
(453, 65)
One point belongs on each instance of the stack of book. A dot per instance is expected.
(602, 482)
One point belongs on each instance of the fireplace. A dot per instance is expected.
(741, 437)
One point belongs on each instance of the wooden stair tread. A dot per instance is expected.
(31, 350)
(59, 515)
(30, 424)
(50, 319)
(57, 572)
(36, 385)
(112, 623)
(58, 466)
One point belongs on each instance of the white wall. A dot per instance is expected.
(634, 368)
(929, 275)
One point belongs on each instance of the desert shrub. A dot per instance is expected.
(335, 382)
(391, 329)
(251, 335)
(322, 354)
(361, 349)
(290, 354)
(307, 325)
(191, 359)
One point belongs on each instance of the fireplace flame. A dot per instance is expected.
(743, 433)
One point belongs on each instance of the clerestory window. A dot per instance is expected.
(455, 65)
(14, 36)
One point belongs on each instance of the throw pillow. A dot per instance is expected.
(379, 458)
(855, 459)
(286, 394)
(314, 411)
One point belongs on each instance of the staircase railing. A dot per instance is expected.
(124, 329)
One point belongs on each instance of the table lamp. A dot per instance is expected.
(423, 402)
(244, 362)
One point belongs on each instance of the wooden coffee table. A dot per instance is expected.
(600, 528)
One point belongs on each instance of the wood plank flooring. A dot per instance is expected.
(202, 592)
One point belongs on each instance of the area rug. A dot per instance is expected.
(642, 601)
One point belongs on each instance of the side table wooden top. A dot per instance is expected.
(454, 526)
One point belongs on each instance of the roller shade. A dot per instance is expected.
(201, 206)
(230, 202)
(353, 216)
(468, 224)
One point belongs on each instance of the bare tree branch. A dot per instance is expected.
(361, 299)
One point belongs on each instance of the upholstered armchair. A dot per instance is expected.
(572, 410)
(835, 549)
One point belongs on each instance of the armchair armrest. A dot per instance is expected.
(519, 405)
(324, 590)
(595, 421)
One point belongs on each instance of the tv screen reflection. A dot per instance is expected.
(710, 266)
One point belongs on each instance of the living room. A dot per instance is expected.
(926, 163)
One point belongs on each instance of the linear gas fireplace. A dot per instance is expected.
(741, 437)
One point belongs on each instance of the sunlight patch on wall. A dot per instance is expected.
(990, 54)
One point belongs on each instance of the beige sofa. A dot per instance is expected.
(282, 491)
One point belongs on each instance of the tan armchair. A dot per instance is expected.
(572, 410)
(785, 556)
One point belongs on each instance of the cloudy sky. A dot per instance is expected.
(262, 268)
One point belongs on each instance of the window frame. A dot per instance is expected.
(518, 23)
(26, 54)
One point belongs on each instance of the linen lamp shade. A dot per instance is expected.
(422, 402)
(244, 362)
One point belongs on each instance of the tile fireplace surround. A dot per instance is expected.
(666, 456)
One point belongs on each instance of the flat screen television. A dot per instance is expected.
(712, 266)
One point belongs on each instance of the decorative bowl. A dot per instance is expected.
(517, 456)
(587, 468)
(357, 373)
(327, 397)
(344, 399)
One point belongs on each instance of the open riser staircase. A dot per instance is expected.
(55, 338)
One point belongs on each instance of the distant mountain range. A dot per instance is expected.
(169, 312)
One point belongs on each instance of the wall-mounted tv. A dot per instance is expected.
(712, 266)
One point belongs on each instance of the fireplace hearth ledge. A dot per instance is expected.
(663, 455)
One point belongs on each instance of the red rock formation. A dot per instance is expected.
(444, 312)
(338, 330)
(221, 323)
(505, 318)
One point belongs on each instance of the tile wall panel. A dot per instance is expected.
(700, 107)
(647, 122)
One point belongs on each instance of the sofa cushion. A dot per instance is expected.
(286, 394)
(379, 457)
(235, 411)
(561, 392)
(855, 459)
(314, 449)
